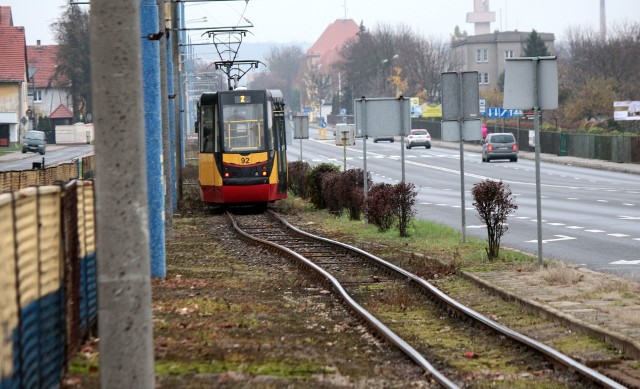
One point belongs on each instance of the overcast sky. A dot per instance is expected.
(302, 21)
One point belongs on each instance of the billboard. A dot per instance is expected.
(626, 110)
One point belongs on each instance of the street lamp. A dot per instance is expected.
(197, 20)
(384, 73)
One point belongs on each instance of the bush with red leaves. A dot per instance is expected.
(388, 204)
(298, 172)
(313, 182)
(331, 191)
(380, 206)
(494, 202)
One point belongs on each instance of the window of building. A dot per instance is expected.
(508, 54)
(483, 78)
(482, 55)
(38, 96)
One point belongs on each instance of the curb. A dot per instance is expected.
(621, 342)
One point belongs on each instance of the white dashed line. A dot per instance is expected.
(618, 235)
(572, 198)
(575, 227)
(595, 231)
(556, 224)
(628, 205)
(603, 201)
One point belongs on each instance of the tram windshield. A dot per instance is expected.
(244, 127)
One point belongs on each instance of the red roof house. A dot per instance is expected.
(50, 89)
(13, 79)
(44, 58)
(61, 112)
(328, 46)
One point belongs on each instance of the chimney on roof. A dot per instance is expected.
(38, 42)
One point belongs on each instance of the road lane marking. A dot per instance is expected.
(624, 262)
(595, 231)
(558, 239)
(618, 235)
(575, 227)
(629, 217)
(556, 224)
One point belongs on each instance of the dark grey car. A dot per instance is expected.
(34, 141)
(500, 146)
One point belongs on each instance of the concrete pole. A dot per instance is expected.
(177, 75)
(153, 133)
(122, 226)
(172, 115)
(166, 138)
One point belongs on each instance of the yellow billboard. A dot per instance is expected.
(432, 111)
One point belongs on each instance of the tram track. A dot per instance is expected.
(364, 282)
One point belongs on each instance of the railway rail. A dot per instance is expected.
(354, 273)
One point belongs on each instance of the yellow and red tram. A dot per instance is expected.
(243, 150)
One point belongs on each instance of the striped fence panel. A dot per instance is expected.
(34, 271)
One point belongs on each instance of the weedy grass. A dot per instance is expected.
(435, 240)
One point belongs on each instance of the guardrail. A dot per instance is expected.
(615, 148)
(48, 281)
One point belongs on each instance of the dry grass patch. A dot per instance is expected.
(561, 273)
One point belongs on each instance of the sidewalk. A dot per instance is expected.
(16, 155)
(588, 303)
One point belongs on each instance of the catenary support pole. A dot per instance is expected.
(122, 226)
(153, 132)
(171, 88)
(177, 74)
(166, 138)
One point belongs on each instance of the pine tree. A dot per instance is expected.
(535, 46)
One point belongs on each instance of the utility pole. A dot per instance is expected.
(153, 132)
(124, 284)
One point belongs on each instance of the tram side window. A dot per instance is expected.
(208, 124)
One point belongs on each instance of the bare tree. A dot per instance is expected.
(284, 68)
(390, 59)
(594, 72)
(431, 57)
(72, 35)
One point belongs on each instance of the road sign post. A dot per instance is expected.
(461, 106)
(301, 129)
(532, 82)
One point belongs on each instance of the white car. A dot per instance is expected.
(419, 137)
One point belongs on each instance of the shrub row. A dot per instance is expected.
(326, 187)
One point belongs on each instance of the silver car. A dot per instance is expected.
(500, 146)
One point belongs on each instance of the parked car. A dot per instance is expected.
(500, 145)
(419, 137)
(383, 138)
(34, 141)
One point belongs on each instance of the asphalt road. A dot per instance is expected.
(590, 216)
(55, 154)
